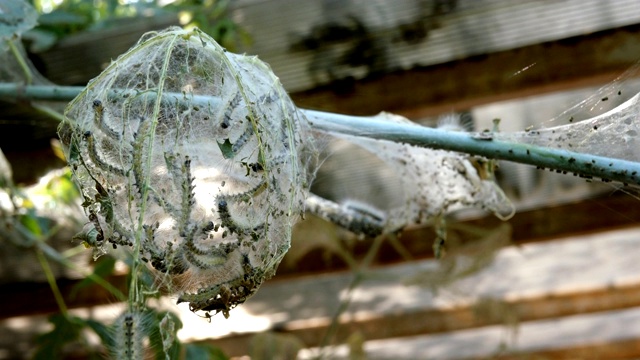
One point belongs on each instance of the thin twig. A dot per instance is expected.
(52, 282)
(28, 75)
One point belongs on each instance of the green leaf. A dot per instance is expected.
(204, 352)
(168, 333)
(163, 338)
(31, 223)
(61, 17)
(16, 17)
(40, 40)
(61, 188)
(227, 149)
(65, 330)
(103, 268)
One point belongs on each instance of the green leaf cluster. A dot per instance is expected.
(74, 16)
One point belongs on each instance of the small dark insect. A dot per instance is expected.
(208, 227)
(256, 167)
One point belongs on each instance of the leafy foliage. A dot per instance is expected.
(64, 331)
(15, 18)
(74, 16)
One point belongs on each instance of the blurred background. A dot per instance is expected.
(558, 280)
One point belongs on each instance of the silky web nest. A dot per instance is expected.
(193, 158)
(433, 182)
(197, 162)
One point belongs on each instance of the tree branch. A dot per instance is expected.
(585, 165)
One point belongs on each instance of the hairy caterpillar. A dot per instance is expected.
(129, 334)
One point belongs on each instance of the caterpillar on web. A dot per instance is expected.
(207, 189)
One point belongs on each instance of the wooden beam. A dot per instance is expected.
(527, 226)
(523, 289)
(35, 298)
(427, 321)
(575, 62)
